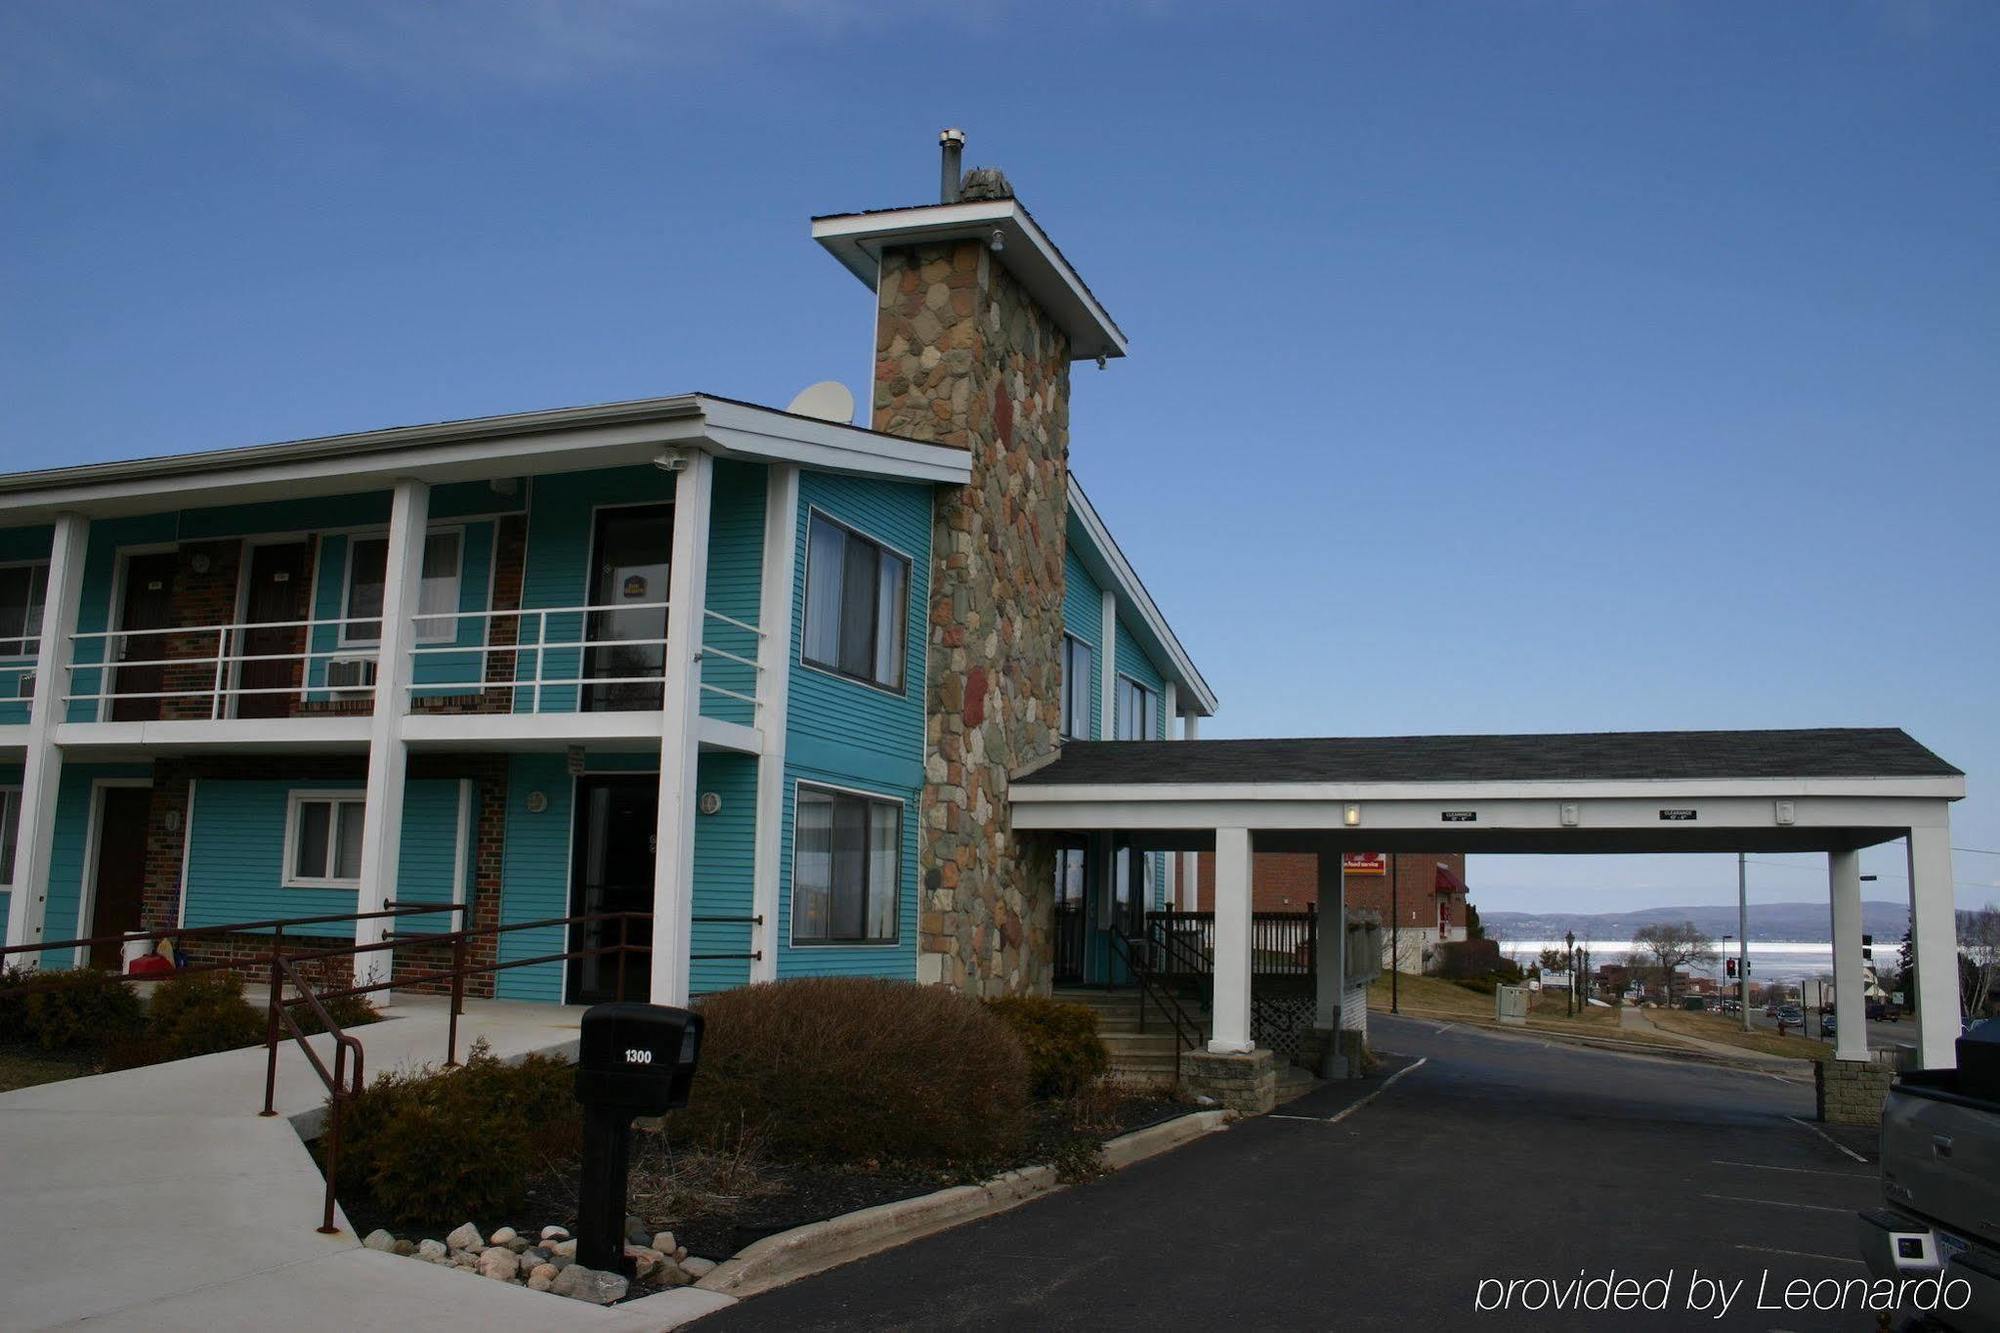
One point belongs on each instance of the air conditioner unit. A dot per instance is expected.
(350, 674)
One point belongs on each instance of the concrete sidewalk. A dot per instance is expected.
(158, 1198)
(1630, 1017)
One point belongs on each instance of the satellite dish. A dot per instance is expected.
(828, 400)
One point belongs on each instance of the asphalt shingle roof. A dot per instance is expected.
(1605, 756)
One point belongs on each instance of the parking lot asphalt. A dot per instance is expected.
(1499, 1157)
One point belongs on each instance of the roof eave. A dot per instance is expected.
(1107, 562)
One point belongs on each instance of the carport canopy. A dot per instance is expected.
(1833, 790)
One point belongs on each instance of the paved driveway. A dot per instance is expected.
(1500, 1157)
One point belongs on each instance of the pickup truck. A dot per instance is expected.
(1941, 1180)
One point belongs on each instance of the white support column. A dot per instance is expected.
(1190, 861)
(1108, 672)
(1231, 1005)
(41, 771)
(1934, 932)
(774, 660)
(1849, 1001)
(680, 733)
(388, 756)
(1331, 962)
(1170, 864)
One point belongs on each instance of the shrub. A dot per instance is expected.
(77, 1008)
(433, 1145)
(14, 1006)
(349, 1011)
(1065, 1054)
(201, 1014)
(856, 1068)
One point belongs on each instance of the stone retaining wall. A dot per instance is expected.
(1851, 1092)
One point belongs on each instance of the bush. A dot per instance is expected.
(74, 1009)
(349, 1011)
(856, 1069)
(1065, 1054)
(428, 1146)
(201, 1014)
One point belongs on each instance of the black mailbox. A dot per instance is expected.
(633, 1060)
(638, 1058)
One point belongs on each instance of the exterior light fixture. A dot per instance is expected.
(1570, 817)
(1785, 812)
(1352, 815)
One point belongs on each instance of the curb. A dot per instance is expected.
(817, 1246)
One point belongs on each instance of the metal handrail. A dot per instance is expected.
(1187, 1033)
(277, 924)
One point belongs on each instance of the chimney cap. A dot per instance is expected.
(952, 136)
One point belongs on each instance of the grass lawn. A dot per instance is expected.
(26, 1066)
(1728, 1030)
(1434, 997)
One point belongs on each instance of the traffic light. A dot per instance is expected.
(1868, 948)
(1730, 965)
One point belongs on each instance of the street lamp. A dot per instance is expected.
(1569, 943)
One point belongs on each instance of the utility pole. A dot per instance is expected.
(1743, 935)
(1569, 1001)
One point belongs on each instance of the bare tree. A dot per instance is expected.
(1670, 945)
(1979, 950)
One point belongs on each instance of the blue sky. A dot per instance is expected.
(1495, 367)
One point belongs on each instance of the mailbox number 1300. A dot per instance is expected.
(638, 1057)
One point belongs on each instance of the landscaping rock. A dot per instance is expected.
(589, 1284)
(635, 1231)
(663, 1241)
(378, 1239)
(535, 1254)
(555, 1233)
(540, 1283)
(405, 1248)
(697, 1269)
(544, 1274)
(432, 1250)
(502, 1236)
(499, 1262)
(565, 1248)
(467, 1237)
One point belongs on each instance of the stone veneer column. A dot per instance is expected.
(964, 356)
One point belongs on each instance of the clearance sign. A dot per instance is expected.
(1365, 863)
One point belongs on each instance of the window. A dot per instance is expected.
(10, 830)
(1076, 659)
(323, 840)
(846, 868)
(437, 594)
(857, 599)
(1138, 711)
(21, 591)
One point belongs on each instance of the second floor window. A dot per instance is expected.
(1076, 660)
(323, 840)
(21, 588)
(857, 599)
(1138, 711)
(437, 593)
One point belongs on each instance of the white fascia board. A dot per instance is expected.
(858, 239)
(1763, 789)
(742, 429)
(433, 731)
(1107, 563)
(180, 736)
(715, 733)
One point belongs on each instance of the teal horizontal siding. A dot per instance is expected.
(535, 875)
(67, 852)
(735, 587)
(1083, 616)
(725, 846)
(236, 842)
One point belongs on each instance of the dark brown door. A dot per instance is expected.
(148, 605)
(121, 868)
(612, 871)
(629, 554)
(278, 579)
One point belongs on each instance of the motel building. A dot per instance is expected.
(760, 693)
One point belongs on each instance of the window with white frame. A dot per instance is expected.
(1138, 711)
(1076, 661)
(10, 831)
(846, 868)
(323, 840)
(437, 592)
(21, 591)
(857, 600)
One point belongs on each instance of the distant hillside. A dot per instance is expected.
(1804, 923)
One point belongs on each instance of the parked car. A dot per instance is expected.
(1941, 1179)
(1771, 1009)
(1791, 1016)
(1881, 1011)
(1827, 1024)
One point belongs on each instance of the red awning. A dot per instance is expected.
(1448, 882)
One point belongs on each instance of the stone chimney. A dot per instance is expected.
(978, 319)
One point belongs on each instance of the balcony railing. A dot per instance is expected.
(562, 659)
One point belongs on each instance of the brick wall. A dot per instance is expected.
(1289, 881)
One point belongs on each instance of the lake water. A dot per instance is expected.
(1768, 962)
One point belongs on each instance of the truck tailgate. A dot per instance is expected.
(1941, 1159)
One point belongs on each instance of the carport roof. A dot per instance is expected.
(1604, 756)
